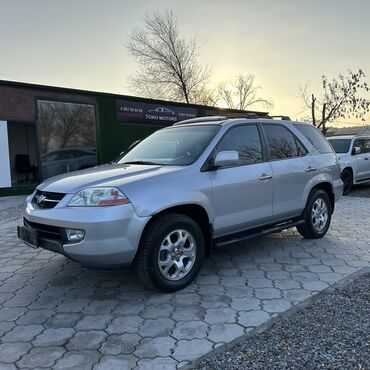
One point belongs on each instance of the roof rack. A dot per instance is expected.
(230, 116)
(243, 115)
(220, 118)
(201, 119)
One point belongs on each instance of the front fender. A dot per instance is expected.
(155, 195)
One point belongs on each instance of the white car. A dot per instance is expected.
(354, 157)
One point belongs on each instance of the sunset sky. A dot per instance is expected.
(80, 43)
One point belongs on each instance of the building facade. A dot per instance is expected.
(46, 131)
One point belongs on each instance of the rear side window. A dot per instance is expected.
(315, 137)
(282, 143)
(246, 141)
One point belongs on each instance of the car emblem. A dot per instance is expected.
(40, 198)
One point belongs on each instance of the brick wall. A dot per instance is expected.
(18, 103)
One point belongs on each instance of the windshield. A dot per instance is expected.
(175, 146)
(340, 145)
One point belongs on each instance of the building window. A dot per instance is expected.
(67, 137)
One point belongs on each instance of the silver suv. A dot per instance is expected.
(354, 156)
(166, 202)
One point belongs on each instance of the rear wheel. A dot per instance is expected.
(171, 253)
(317, 216)
(347, 179)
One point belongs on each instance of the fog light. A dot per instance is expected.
(75, 235)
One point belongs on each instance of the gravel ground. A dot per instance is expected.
(332, 332)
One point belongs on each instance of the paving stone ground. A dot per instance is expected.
(56, 314)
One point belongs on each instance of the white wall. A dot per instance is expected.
(5, 179)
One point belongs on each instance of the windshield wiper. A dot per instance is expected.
(139, 162)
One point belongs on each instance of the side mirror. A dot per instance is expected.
(356, 150)
(226, 158)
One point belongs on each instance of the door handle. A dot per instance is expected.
(366, 159)
(310, 169)
(265, 177)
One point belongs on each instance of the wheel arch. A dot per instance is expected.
(194, 211)
(328, 188)
(348, 168)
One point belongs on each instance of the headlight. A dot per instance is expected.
(98, 197)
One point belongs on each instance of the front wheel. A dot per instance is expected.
(317, 216)
(171, 253)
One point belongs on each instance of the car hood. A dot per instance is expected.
(115, 175)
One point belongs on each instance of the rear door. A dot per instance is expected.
(292, 169)
(243, 193)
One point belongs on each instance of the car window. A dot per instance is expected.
(366, 145)
(302, 151)
(360, 144)
(246, 141)
(340, 145)
(173, 146)
(51, 156)
(282, 143)
(315, 137)
(80, 153)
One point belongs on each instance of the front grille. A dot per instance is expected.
(45, 230)
(49, 237)
(46, 199)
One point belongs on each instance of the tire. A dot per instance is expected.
(158, 260)
(317, 215)
(347, 178)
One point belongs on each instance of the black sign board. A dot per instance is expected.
(152, 113)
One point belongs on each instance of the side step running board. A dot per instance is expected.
(244, 235)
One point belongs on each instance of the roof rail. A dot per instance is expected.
(201, 119)
(242, 115)
(230, 116)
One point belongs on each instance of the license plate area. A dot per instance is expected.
(29, 236)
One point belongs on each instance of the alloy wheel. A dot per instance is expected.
(177, 254)
(319, 214)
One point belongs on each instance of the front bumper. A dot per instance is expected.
(112, 234)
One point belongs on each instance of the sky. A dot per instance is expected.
(284, 43)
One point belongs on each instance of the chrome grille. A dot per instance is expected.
(44, 199)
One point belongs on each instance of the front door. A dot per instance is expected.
(363, 158)
(5, 179)
(242, 194)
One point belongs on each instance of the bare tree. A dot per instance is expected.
(340, 98)
(66, 125)
(242, 93)
(168, 64)
(46, 117)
